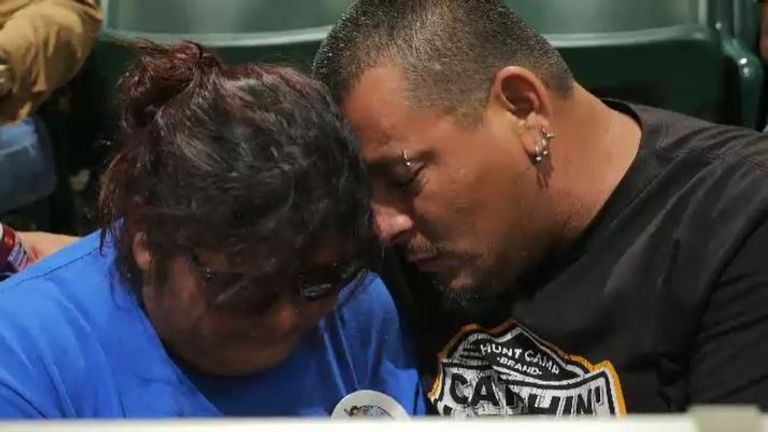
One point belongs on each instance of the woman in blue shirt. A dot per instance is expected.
(226, 279)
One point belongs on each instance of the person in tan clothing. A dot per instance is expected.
(43, 43)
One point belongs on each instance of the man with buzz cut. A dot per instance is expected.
(565, 254)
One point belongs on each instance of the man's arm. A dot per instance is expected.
(41, 244)
(730, 358)
(44, 42)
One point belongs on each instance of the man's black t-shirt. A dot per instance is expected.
(661, 304)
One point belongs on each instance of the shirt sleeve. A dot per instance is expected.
(384, 356)
(730, 358)
(14, 406)
(44, 360)
(26, 391)
(45, 42)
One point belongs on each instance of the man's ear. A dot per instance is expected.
(521, 93)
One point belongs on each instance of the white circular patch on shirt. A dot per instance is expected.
(369, 404)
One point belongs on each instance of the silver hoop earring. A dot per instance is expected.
(542, 148)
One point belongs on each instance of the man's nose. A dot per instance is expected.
(390, 223)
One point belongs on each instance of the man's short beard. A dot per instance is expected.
(468, 305)
(483, 302)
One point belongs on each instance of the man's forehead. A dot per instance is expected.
(375, 104)
(375, 128)
(382, 81)
(413, 138)
(385, 125)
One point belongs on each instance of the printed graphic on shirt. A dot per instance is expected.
(508, 371)
(370, 404)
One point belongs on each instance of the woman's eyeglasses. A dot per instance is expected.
(241, 290)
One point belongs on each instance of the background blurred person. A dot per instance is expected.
(43, 43)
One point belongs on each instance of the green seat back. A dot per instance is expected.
(665, 53)
(657, 52)
(277, 31)
(746, 30)
(568, 17)
(201, 17)
(285, 31)
(738, 22)
(746, 21)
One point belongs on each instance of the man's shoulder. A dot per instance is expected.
(675, 135)
(691, 166)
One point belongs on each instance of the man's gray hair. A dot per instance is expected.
(450, 50)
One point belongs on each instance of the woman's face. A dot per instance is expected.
(244, 334)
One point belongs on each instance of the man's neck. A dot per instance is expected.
(595, 147)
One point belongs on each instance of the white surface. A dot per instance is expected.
(725, 419)
(636, 424)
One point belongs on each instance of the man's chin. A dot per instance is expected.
(465, 299)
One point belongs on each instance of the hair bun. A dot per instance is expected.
(160, 73)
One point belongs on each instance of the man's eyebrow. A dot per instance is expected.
(383, 149)
(385, 163)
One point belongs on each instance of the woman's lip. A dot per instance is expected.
(264, 336)
(429, 264)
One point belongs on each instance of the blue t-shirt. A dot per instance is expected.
(75, 343)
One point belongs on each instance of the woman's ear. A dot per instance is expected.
(141, 255)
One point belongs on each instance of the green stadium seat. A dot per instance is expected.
(746, 21)
(739, 28)
(666, 53)
(277, 31)
(738, 21)
(241, 30)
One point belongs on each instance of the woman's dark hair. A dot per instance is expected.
(253, 161)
